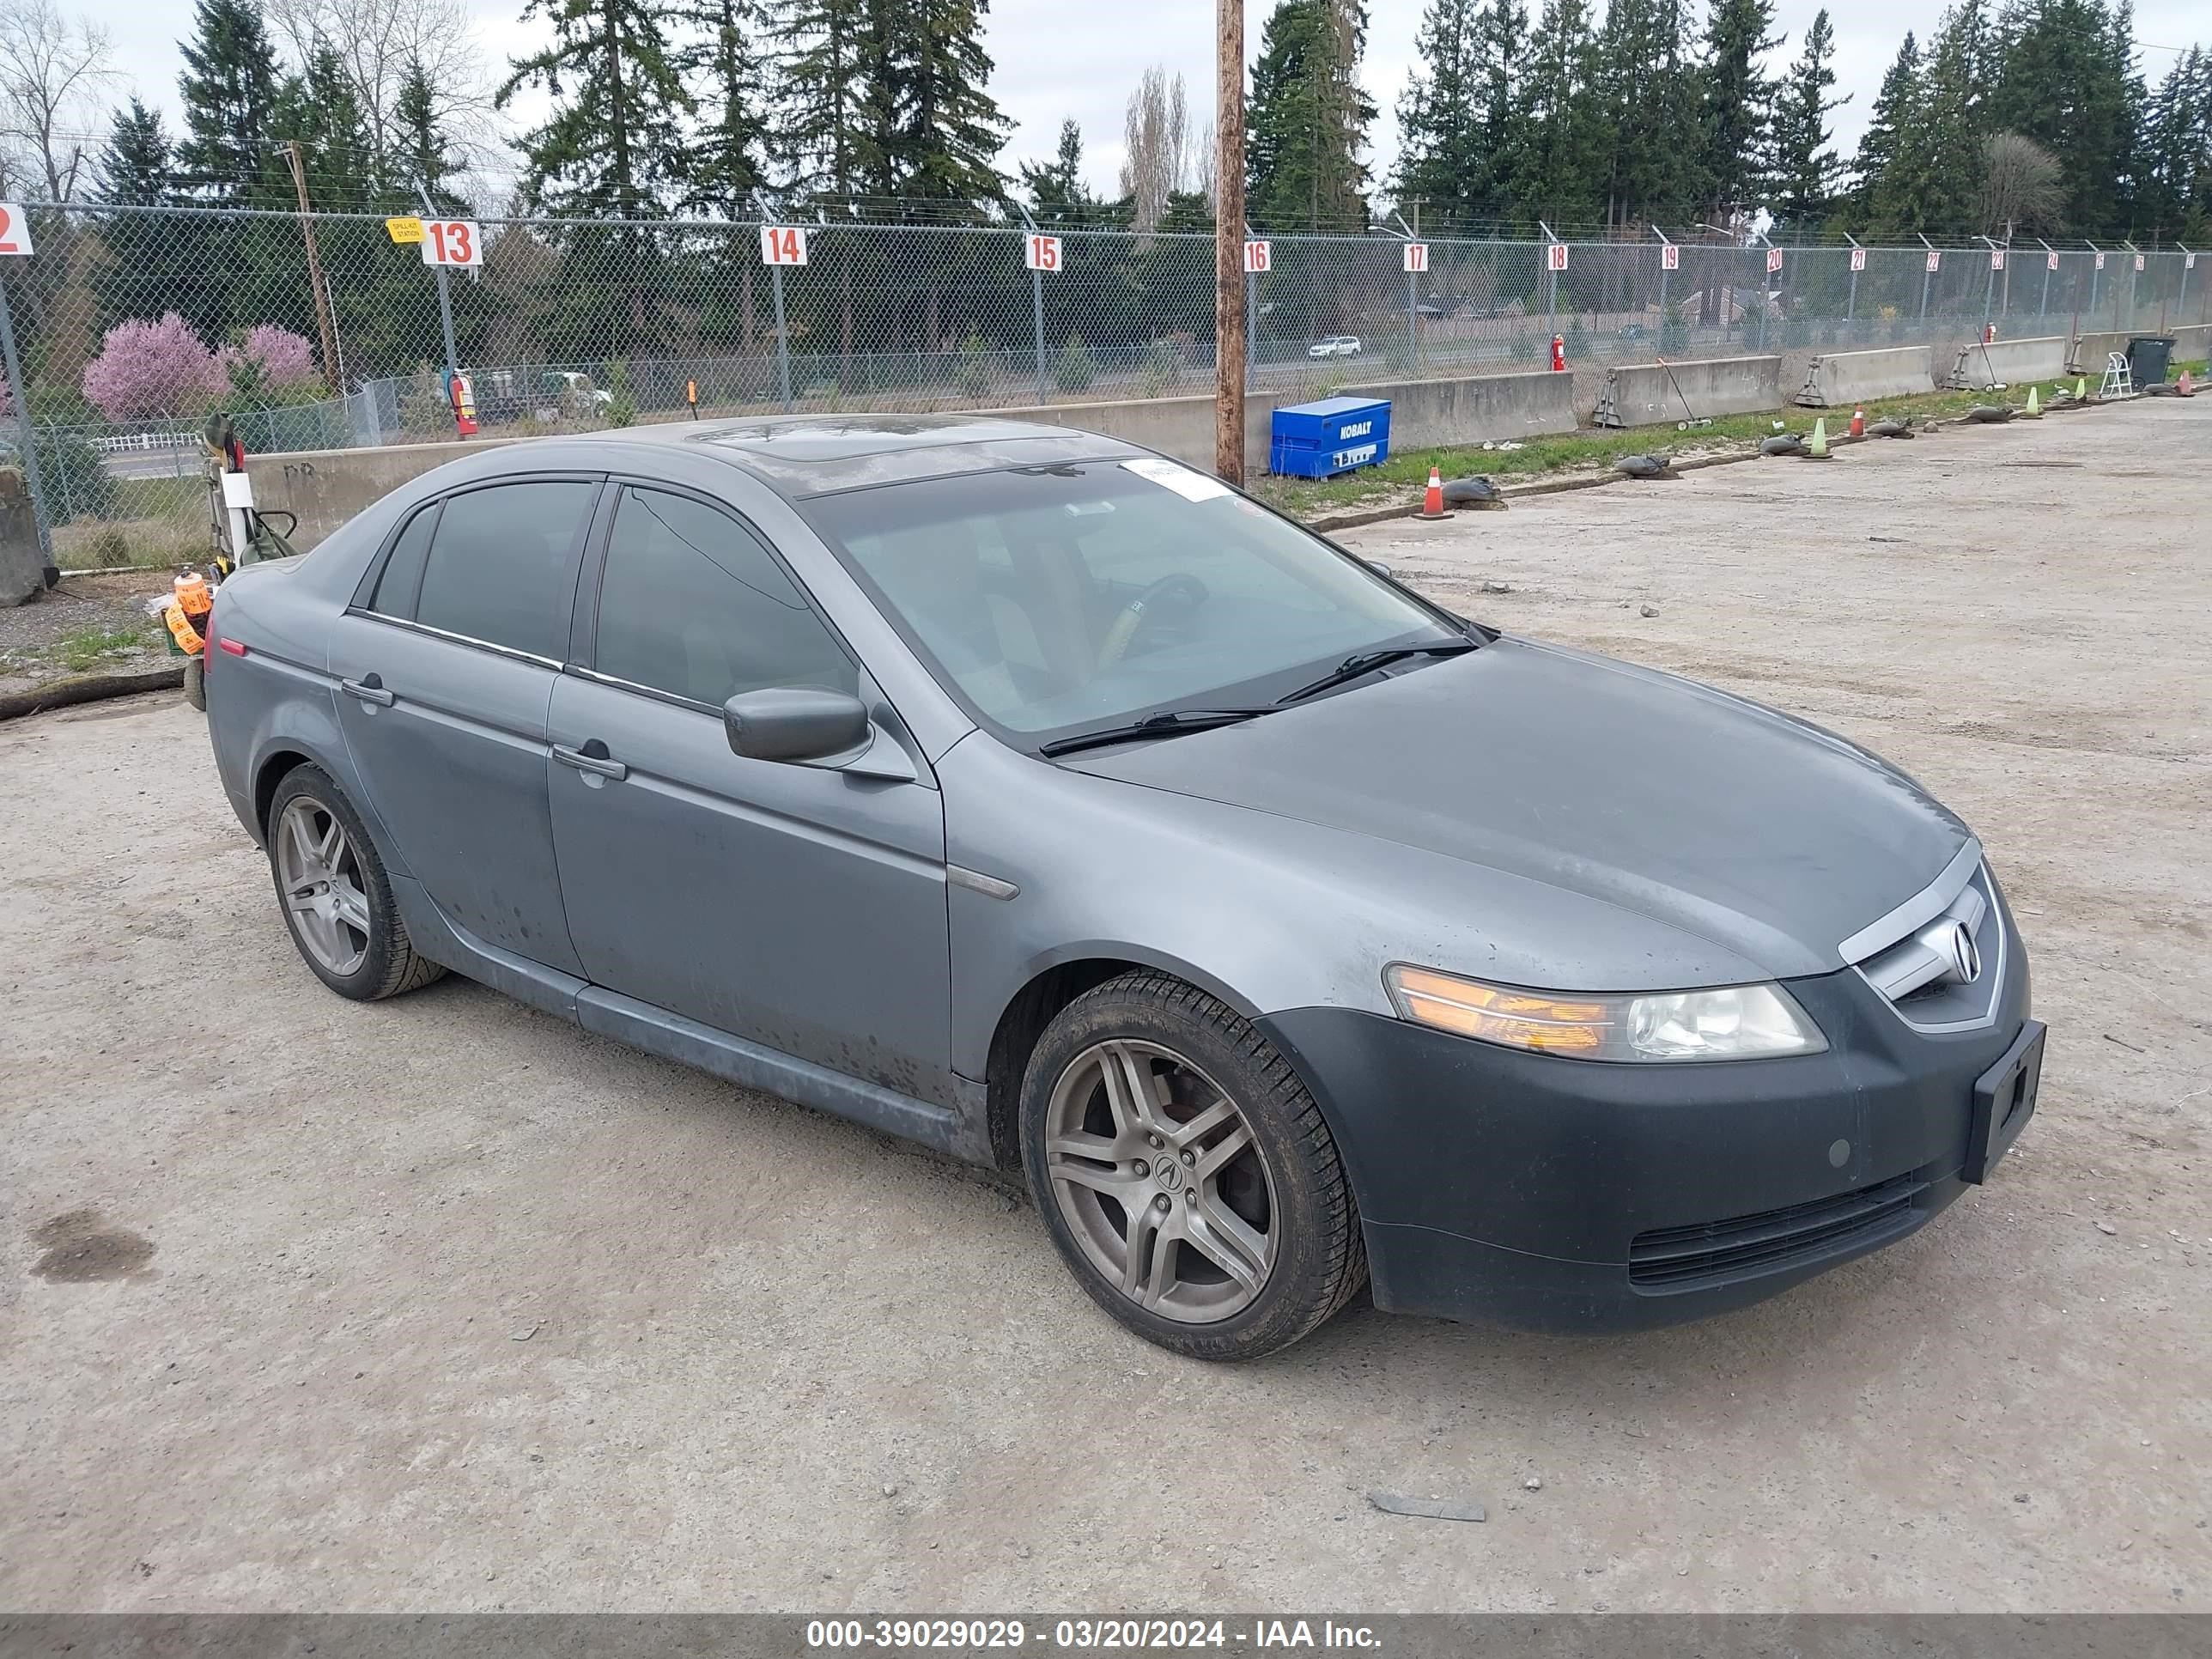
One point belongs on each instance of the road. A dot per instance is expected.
(442, 1305)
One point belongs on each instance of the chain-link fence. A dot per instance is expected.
(134, 323)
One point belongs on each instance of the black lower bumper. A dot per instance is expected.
(1547, 1193)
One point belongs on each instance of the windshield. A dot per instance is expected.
(1056, 600)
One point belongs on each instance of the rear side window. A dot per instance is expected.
(499, 568)
(693, 604)
(403, 571)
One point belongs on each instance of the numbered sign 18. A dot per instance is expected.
(1773, 261)
(1258, 256)
(1997, 258)
(1041, 252)
(783, 245)
(452, 242)
(15, 230)
(2051, 262)
(1417, 255)
(1555, 255)
(1934, 260)
(1670, 257)
(1858, 259)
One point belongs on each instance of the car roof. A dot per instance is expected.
(803, 455)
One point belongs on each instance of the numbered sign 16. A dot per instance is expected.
(15, 230)
(783, 245)
(1858, 259)
(1555, 255)
(1670, 257)
(1997, 258)
(1258, 256)
(1417, 255)
(452, 242)
(1041, 252)
(1774, 260)
(2051, 262)
(1934, 260)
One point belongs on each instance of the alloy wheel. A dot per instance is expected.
(320, 873)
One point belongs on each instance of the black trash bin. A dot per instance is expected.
(2147, 356)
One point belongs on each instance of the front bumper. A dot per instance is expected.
(1545, 1194)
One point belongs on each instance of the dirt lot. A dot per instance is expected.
(443, 1304)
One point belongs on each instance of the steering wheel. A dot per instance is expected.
(1182, 585)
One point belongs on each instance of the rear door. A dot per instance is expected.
(447, 663)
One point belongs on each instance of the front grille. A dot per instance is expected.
(1688, 1258)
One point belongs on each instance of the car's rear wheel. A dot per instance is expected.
(335, 897)
(1185, 1172)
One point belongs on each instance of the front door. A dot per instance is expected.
(803, 909)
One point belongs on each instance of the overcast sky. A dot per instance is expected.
(1058, 58)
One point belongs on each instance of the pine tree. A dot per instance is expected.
(1933, 177)
(2063, 77)
(1502, 39)
(1560, 165)
(228, 89)
(1644, 100)
(135, 167)
(613, 144)
(423, 161)
(1893, 110)
(1441, 159)
(317, 110)
(1307, 119)
(949, 130)
(1804, 167)
(1737, 102)
(817, 43)
(728, 163)
(1056, 193)
(2174, 193)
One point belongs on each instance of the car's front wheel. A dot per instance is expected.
(336, 900)
(1185, 1172)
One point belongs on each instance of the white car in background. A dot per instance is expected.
(1337, 345)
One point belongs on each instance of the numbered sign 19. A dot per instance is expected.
(2051, 262)
(1417, 255)
(1773, 261)
(1858, 259)
(1670, 257)
(15, 230)
(452, 242)
(1934, 260)
(1259, 257)
(1997, 258)
(1555, 255)
(783, 245)
(1041, 252)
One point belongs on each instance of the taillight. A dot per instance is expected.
(236, 648)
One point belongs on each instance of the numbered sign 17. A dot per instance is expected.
(15, 230)
(1555, 255)
(1041, 252)
(452, 242)
(1670, 257)
(1773, 261)
(1258, 256)
(1858, 259)
(1417, 255)
(783, 245)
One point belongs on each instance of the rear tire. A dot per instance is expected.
(1185, 1172)
(333, 893)
(195, 683)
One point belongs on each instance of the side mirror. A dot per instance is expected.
(795, 723)
(1380, 568)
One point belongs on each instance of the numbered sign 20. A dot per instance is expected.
(1934, 260)
(1259, 257)
(1670, 257)
(1858, 259)
(1555, 255)
(1774, 262)
(1417, 255)
(1041, 252)
(15, 230)
(452, 242)
(783, 245)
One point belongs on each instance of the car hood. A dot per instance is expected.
(1743, 826)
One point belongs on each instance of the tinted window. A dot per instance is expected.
(694, 604)
(499, 567)
(403, 571)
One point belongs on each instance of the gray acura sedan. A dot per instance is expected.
(1041, 799)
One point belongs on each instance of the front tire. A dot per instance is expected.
(332, 887)
(1185, 1173)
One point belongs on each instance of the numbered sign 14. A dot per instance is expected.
(783, 245)
(15, 230)
(452, 242)
(1417, 255)
(1041, 252)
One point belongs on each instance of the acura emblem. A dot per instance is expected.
(1965, 963)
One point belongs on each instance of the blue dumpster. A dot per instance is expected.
(1337, 434)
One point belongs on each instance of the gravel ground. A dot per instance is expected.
(32, 636)
(441, 1304)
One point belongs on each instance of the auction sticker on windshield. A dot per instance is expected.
(1191, 486)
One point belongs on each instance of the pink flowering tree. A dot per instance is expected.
(151, 370)
(271, 357)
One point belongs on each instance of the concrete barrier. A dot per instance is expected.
(1646, 394)
(1977, 367)
(323, 488)
(2192, 342)
(1478, 409)
(1841, 380)
(22, 562)
(2085, 352)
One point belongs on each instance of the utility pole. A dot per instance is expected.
(1228, 243)
(332, 372)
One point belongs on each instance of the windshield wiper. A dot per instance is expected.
(1366, 662)
(1171, 723)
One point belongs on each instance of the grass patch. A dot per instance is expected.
(82, 650)
(1582, 452)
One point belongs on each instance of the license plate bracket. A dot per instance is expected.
(2004, 1100)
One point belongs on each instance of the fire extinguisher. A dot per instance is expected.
(465, 405)
(1559, 353)
(1989, 333)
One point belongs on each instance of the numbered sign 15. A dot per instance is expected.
(1670, 257)
(783, 245)
(1259, 257)
(1417, 255)
(1934, 260)
(1997, 258)
(1773, 261)
(15, 230)
(1041, 252)
(452, 242)
(1555, 255)
(1858, 259)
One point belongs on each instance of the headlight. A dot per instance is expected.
(1741, 1021)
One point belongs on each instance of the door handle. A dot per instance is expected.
(368, 690)
(599, 765)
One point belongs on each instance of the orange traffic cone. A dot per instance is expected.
(1433, 503)
(2185, 387)
(1858, 423)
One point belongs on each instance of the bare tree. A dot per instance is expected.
(377, 41)
(2020, 184)
(1155, 135)
(52, 71)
